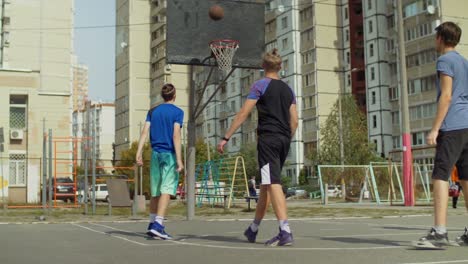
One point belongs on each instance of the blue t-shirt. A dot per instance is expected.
(455, 66)
(162, 119)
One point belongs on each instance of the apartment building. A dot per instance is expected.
(80, 85)
(35, 88)
(420, 19)
(141, 67)
(101, 119)
(322, 69)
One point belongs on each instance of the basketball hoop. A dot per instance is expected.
(224, 50)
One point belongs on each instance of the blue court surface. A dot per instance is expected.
(345, 240)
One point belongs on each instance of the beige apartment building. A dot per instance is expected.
(141, 67)
(420, 19)
(80, 85)
(35, 89)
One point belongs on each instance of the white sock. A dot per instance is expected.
(284, 225)
(152, 218)
(254, 226)
(159, 220)
(441, 229)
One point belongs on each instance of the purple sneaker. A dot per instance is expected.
(282, 239)
(250, 235)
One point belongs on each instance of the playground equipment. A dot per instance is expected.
(220, 182)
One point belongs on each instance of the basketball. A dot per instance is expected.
(216, 12)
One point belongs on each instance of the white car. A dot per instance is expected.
(101, 193)
(333, 191)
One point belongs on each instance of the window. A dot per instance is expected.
(349, 79)
(306, 35)
(373, 98)
(233, 106)
(208, 128)
(396, 142)
(285, 43)
(372, 73)
(347, 35)
(347, 57)
(391, 21)
(418, 138)
(369, 4)
(285, 66)
(17, 173)
(371, 29)
(396, 118)
(284, 22)
(374, 121)
(371, 50)
(234, 142)
(346, 13)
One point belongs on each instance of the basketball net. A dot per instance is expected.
(224, 50)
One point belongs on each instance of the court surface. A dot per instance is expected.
(346, 240)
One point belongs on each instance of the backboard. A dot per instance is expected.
(190, 30)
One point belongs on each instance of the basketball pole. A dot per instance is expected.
(194, 112)
(406, 131)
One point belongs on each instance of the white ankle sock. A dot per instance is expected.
(254, 226)
(441, 229)
(284, 225)
(152, 218)
(159, 220)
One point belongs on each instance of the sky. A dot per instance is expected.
(96, 47)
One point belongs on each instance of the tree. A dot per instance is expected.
(202, 153)
(249, 153)
(357, 148)
(127, 159)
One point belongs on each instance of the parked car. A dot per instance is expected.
(101, 192)
(295, 191)
(180, 193)
(63, 189)
(333, 191)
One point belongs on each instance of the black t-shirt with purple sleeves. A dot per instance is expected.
(274, 98)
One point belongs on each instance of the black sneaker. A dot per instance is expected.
(432, 240)
(463, 239)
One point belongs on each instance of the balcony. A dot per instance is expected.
(309, 113)
(158, 40)
(158, 7)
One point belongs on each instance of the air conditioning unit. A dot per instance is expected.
(16, 134)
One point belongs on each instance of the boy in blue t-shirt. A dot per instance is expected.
(164, 123)
(449, 131)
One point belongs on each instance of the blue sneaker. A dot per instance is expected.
(148, 231)
(157, 229)
(282, 239)
(250, 235)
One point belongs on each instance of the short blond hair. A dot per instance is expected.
(272, 61)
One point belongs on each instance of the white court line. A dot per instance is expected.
(373, 235)
(441, 262)
(129, 232)
(183, 243)
(123, 238)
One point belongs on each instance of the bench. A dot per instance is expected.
(248, 198)
(211, 195)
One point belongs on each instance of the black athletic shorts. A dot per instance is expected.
(272, 153)
(451, 149)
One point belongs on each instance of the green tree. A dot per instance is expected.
(201, 155)
(127, 159)
(249, 153)
(357, 148)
